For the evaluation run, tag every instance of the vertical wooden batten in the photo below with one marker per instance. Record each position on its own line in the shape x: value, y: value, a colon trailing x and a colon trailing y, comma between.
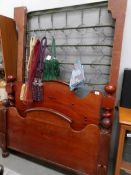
x: 118, y: 11
x: 21, y: 21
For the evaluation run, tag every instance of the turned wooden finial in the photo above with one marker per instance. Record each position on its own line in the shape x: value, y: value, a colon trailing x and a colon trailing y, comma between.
x: 110, y: 89
x: 10, y: 91
x: 107, y: 114
x: 106, y: 123
x: 6, y: 103
x: 10, y: 78
x: 107, y: 107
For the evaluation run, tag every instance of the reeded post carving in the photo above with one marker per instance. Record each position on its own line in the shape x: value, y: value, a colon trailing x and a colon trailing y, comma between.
x: 10, y: 91
x: 101, y: 170
x: 7, y: 103
x: 108, y: 107
x: 3, y: 116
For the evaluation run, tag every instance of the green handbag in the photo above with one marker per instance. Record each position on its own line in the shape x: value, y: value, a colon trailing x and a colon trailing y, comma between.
x: 51, y: 66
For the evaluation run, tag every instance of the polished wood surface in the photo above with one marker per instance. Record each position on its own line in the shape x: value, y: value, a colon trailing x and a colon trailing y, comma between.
x: 9, y: 45
x: 20, y: 19
x: 118, y: 11
x: 57, y: 96
x: 79, y: 112
x: 47, y: 135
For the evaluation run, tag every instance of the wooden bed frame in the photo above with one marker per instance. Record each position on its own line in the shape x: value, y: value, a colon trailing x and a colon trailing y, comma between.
x: 64, y: 130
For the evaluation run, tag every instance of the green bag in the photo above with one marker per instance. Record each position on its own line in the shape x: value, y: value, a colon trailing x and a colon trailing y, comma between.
x: 51, y: 66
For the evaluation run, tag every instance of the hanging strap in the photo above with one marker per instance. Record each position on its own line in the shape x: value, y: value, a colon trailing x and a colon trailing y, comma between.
x: 34, y: 62
x: 43, y: 46
x: 37, y: 85
x: 53, y: 48
x: 32, y: 71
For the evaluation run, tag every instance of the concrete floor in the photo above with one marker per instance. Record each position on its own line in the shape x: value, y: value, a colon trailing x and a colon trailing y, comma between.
x: 26, y: 167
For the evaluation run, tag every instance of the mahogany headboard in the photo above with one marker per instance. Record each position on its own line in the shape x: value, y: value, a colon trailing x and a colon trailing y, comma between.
x: 88, y: 117
x: 117, y: 9
x: 106, y: 102
x: 118, y: 13
x: 57, y: 96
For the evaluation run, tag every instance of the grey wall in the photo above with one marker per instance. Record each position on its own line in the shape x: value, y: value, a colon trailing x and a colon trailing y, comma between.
x: 92, y: 44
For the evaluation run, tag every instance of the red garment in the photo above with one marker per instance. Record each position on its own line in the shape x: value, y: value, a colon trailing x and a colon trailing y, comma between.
x: 32, y: 71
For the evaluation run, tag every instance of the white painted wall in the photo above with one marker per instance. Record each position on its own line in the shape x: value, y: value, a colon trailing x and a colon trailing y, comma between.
x: 126, y: 49
x: 7, y: 6
x: 7, y: 9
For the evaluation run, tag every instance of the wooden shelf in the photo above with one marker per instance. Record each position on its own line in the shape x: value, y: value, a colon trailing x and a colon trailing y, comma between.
x: 8, y: 46
x: 125, y: 116
x: 126, y: 166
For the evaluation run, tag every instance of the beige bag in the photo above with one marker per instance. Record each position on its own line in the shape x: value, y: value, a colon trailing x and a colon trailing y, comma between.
x: 24, y: 87
x: 3, y: 93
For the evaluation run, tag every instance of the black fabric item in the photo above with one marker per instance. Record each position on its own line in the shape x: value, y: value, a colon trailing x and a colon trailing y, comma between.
x: 125, y: 100
x: 1, y: 169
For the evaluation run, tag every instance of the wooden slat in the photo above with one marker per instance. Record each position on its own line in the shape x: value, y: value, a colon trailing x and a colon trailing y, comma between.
x: 9, y: 45
x: 120, y: 150
x: 47, y: 136
x: 118, y: 10
x: 20, y: 18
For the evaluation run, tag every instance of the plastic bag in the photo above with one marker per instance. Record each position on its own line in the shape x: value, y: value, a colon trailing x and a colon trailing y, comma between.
x: 77, y: 76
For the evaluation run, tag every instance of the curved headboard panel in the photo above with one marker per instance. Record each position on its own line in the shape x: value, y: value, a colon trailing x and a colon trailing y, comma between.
x: 57, y: 96
x: 56, y: 114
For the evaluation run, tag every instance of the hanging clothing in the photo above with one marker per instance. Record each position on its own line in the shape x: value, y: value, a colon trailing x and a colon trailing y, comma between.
x: 37, y: 85
x: 32, y: 70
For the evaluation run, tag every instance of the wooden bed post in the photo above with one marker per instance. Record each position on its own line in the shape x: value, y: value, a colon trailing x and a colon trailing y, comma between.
x: 118, y: 11
x: 20, y: 16
x: 3, y: 118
